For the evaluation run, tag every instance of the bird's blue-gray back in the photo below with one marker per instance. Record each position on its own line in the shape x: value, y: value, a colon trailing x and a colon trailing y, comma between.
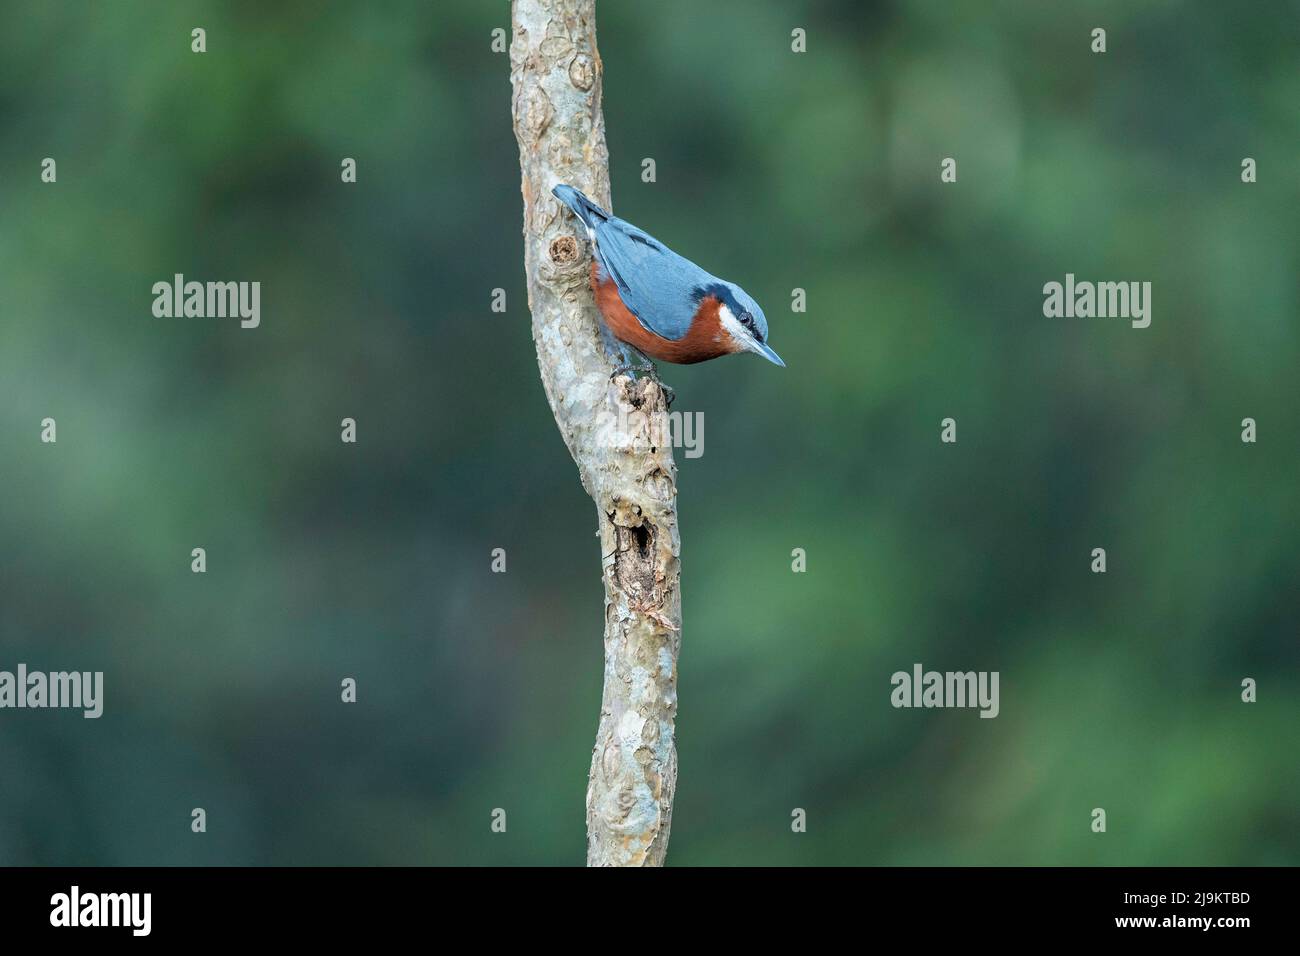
x: 657, y: 285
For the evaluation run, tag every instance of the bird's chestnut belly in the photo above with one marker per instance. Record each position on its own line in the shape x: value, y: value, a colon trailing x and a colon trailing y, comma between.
x: 706, y: 339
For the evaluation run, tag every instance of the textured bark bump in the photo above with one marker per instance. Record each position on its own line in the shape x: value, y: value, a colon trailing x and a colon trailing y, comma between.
x: 610, y: 429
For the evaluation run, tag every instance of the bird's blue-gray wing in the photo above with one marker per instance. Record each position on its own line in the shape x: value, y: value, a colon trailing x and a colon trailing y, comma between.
x: 657, y: 285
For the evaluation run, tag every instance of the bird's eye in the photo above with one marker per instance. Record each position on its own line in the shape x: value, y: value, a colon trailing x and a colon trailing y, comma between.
x: 747, y: 320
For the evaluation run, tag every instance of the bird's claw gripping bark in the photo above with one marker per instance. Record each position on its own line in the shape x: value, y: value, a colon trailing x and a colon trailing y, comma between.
x: 650, y: 370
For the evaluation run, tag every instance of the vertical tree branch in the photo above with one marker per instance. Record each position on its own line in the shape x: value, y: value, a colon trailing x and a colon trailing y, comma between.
x: 616, y: 430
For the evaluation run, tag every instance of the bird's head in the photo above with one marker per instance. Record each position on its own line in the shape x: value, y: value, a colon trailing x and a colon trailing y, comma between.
x: 744, y: 321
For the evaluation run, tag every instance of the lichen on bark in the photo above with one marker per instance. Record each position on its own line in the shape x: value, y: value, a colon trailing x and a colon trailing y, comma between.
x: 610, y: 426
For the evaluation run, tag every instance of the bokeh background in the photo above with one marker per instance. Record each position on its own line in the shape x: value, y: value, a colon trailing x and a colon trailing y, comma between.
x: 481, y: 690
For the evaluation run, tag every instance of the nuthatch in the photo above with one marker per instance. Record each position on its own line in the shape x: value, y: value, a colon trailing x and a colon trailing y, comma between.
x: 662, y: 305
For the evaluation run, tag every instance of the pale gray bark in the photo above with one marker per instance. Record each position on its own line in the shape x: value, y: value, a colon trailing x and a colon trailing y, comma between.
x: 615, y: 430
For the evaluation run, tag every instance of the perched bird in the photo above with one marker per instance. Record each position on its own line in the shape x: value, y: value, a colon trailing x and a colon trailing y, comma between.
x: 662, y: 305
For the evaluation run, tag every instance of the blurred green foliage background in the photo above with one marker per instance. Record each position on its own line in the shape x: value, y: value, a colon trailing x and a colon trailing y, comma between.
x: 775, y: 169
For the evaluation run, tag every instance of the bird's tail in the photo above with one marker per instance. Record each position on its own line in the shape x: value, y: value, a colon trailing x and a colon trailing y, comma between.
x: 582, y: 207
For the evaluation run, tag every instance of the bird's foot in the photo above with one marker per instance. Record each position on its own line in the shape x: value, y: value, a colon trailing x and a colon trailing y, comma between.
x: 652, y: 373
x: 631, y: 368
x: 645, y: 367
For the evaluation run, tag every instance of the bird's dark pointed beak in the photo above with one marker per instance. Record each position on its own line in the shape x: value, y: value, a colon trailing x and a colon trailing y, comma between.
x: 763, y: 349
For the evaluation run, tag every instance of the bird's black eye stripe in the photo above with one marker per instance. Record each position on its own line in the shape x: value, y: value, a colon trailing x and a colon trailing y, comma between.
x: 719, y: 292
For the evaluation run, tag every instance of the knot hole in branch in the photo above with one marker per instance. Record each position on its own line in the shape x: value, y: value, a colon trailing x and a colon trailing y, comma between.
x: 634, y: 563
x: 641, y: 539
x: 564, y: 250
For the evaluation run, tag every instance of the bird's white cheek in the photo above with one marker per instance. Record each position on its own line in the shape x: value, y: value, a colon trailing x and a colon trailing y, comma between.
x: 733, y: 328
x: 730, y: 324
